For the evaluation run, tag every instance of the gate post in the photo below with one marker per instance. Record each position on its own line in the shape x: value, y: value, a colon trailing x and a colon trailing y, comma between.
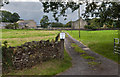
x: 62, y: 48
x: 114, y: 46
x: 62, y: 37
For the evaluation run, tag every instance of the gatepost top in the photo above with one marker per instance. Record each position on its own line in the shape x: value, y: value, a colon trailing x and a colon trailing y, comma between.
x: 62, y: 35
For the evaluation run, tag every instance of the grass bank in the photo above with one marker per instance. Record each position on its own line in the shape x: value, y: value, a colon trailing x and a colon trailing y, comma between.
x: 101, y: 42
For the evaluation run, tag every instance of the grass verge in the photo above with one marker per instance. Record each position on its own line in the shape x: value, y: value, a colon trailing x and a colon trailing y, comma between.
x: 85, y: 55
x: 93, y: 63
x: 89, y: 57
x: 50, y: 68
x: 77, y: 48
x: 101, y: 42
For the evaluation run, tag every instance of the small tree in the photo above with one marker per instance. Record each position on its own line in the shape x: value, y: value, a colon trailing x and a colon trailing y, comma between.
x: 12, y: 26
x: 44, y: 21
x: 16, y: 26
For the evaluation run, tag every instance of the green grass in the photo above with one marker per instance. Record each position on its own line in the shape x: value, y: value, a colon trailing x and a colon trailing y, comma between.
x: 18, y: 37
x: 84, y: 55
x: 98, y: 41
x: 89, y: 57
x: 93, y: 63
x: 77, y: 48
x: 51, y: 67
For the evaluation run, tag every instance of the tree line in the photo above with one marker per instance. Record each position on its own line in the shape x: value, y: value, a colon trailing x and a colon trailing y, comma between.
x: 44, y: 22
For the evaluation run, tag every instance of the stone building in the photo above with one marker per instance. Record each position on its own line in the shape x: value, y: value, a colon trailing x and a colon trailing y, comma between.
x: 75, y: 24
x: 29, y: 24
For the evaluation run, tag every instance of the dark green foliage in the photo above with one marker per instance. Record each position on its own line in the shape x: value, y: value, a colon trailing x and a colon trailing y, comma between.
x: 9, y: 17
x: 93, y: 24
x: 15, y: 17
x: 44, y: 21
x: 106, y: 11
x: 68, y: 24
x: 57, y: 24
x: 6, y: 57
x: 90, y: 27
x: 55, y: 6
x: 12, y: 26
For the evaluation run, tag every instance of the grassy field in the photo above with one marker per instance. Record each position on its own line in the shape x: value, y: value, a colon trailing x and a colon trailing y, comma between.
x: 50, y: 68
x: 99, y: 41
x: 18, y: 37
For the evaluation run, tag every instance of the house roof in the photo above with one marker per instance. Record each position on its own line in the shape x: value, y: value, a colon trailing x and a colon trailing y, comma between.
x: 25, y: 21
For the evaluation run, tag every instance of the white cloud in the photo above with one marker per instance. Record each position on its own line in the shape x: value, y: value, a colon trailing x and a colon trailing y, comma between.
x: 24, y: 0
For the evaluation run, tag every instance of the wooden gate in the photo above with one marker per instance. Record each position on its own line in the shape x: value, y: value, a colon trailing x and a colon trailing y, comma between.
x: 116, y: 46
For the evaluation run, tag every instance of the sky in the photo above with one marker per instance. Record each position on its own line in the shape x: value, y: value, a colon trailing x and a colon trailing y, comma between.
x: 33, y: 10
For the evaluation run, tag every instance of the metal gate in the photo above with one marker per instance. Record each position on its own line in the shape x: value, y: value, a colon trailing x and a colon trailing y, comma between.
x: 116, y: 46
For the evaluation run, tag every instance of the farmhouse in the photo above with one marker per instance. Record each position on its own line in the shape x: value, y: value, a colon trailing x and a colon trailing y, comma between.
x: 29, y: 24
x: 75, y: 24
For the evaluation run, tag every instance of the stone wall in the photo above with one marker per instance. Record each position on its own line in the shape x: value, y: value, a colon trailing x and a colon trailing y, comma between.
x: 32, y: 53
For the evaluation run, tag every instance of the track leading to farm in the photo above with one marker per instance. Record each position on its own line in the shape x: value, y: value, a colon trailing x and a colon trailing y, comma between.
x: 81, y: 66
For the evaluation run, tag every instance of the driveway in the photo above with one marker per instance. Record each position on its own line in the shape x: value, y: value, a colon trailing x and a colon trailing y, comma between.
x: 81, y: 68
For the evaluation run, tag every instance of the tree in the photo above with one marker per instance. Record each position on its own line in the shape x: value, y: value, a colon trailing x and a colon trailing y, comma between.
x: 57, y: 24
x: 3, y: 2
x: 69, y: 24
x: 93, y: 24
x: 106, y: 11
x: 15, y: 17
x: 44, y: 21
x: 9, y: 17
x: 6, y: 16
x: 59, y: 8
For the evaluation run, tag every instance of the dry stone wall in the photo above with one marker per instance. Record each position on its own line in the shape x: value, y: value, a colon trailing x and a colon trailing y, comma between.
x: 32, y: 53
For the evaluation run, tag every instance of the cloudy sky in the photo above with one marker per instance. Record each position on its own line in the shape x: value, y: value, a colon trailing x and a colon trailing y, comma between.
x: 34, y: 10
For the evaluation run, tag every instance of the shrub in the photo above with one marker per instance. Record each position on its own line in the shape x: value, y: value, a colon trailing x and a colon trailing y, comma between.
x: 12, y: 26
x: 90, y: 27
x: 57, y: 24
x: 9, y: 26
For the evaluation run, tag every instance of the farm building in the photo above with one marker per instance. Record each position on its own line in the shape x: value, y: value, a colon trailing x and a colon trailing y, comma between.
x: 29, y: 24
x: 75, y: 24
